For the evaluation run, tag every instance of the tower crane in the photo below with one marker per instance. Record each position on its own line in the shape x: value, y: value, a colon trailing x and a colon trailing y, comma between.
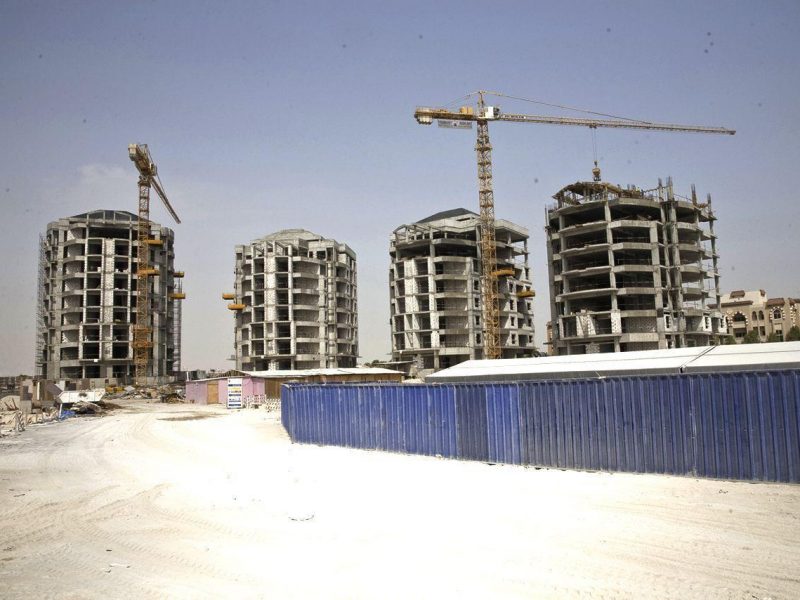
x: 483, y: 148
x: 142, y: 330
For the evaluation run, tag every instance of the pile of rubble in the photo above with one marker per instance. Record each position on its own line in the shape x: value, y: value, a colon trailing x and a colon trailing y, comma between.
x: 14, y: 420
x: 96, y: 402
x: 170, y: 393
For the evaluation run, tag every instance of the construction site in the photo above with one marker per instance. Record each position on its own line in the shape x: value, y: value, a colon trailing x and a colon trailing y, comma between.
x: 399, y: 300
x: 627, y: 471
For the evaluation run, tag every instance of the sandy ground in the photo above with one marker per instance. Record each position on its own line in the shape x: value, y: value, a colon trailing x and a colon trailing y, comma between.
x: 177, y: 501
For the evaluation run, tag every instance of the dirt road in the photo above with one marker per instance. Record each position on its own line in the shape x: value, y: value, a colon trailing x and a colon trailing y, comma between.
x: 177, y: 501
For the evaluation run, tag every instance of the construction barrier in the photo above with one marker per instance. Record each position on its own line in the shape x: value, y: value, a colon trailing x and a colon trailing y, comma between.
x: 743, y: 425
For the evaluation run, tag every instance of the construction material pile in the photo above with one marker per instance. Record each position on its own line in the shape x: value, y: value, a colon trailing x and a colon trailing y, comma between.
x: 14, y: 420
x: 169, y: 393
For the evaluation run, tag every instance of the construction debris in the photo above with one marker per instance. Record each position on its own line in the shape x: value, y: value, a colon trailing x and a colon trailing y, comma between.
x: 87, y: 408
x: 71, y: 397
x: 169, y: 393
x: 15, y: 416
x: 16, y: 421
x: 9, y: 403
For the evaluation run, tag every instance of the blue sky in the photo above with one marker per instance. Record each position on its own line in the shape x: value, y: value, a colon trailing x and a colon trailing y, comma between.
x: 264, y: 116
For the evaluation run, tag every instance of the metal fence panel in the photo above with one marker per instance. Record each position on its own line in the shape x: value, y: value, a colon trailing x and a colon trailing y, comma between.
x: 725, y: 425
x: 394, y: 418
x: 471, y: 426
x: 503, y: 424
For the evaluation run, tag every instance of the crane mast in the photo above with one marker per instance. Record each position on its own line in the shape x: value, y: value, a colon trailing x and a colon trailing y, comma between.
x: 489, y: 287
x: 483, y: 148
x: 142, y: 330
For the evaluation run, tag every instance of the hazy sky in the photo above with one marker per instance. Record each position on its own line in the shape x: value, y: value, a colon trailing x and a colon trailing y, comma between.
x: 264, y: 116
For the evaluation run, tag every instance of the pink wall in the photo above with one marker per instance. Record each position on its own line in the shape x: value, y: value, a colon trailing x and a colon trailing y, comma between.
x: 252, y: 387
x: 196, y: 392
x: 223, y: 392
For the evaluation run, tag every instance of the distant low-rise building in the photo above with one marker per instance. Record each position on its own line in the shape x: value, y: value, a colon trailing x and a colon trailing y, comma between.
x: 751, y: 310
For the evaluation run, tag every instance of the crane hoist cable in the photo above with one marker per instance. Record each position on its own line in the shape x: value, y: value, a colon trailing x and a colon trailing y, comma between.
x: 564, y: 107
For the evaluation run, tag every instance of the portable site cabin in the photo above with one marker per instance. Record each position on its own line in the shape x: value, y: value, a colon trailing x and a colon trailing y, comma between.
x: 266, y: 385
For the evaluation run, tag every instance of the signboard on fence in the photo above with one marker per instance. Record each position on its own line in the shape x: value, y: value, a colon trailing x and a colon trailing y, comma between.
x: 234, y: 392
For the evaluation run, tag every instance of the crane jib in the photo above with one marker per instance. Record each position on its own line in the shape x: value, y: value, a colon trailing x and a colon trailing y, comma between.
x: 441, y: 114
x: 612, y: 123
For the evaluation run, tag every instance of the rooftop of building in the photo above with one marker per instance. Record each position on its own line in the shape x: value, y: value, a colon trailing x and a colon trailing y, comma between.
x: 293, y: 234
x: 108, y: 214
x: 782, y: 301
x: 751, y: 297
x: 298, y: 236
x: 448, y: 214
x: 461, y: 220
x: 582, y: 192
x: 701, y: 359
x: 301, y: 373
x: 104, y: 214
x: 592, y: 188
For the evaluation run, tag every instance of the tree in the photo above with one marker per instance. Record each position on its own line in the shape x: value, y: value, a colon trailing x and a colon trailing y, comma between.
x: 727, y: 340
x: 793, y: 334
x: 773, y: 337
x: 751, y: 337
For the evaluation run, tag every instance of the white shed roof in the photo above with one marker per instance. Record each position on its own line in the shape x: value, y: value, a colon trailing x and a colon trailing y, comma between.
x: 312, y: 372
x: 781, y: 355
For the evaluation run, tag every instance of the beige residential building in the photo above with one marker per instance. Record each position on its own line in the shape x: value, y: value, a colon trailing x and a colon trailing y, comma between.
x: 751, y: 310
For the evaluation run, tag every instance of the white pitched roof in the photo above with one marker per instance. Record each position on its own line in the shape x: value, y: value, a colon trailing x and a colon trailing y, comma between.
x: 780, y: 355
x: 312, y: 372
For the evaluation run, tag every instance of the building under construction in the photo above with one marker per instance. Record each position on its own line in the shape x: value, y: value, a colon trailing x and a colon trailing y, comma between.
x: 87, y: 298
x: 631, y: 269
x: 295, y: 303
x: 435, y: 290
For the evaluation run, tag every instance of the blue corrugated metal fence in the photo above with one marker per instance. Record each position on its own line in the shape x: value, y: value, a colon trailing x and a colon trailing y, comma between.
x: 726, y: 425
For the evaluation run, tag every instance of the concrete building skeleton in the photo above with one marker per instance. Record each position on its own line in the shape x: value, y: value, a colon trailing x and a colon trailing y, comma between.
x: 631, y: 269
x: 295, y: 303
x: 87, y: 298
x: 435, y: 297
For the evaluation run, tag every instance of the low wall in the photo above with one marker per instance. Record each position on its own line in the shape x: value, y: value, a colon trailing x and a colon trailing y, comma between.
x: 729, y: 425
